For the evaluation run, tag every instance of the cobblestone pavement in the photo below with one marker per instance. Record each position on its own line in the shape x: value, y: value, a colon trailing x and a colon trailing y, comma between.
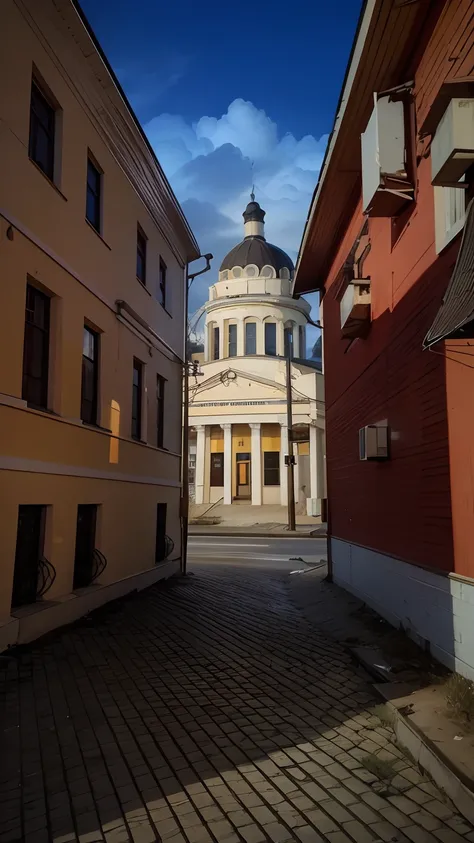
x: 206, y: 710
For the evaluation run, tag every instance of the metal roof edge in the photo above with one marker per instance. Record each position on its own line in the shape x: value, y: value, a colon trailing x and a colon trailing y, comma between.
x: 358, y: 45
x: 85, y: 23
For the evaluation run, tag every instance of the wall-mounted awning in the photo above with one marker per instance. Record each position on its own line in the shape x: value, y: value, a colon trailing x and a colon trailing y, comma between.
x: 457, y: 308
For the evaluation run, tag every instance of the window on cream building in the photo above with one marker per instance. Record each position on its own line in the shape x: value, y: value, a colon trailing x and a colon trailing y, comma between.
x: 270, y: 339
x: 42, y: 139
x: 232, y: 340
x: 250, y: 338
x: 302, y: 341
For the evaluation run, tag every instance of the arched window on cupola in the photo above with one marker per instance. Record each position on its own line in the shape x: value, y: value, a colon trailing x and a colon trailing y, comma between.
x: 250, y: 336
x: 213, y: 340
x: 302, y: 342
x: 270, y: 336
x: 289, y: 339
x: 231, y: 339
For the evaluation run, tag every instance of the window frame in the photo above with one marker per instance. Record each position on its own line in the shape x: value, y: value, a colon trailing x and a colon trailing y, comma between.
x: 446, y: 231
x: 288, y: 333
x: 160, y: 410
x: 267, y: 352
x: 232, y: 344
x: 93, y: 418
x: 250, y: 324
x: 269, y: 469
x: 38, y: 90
x: 301, y: 341
x: 142, y: 242
x: 216, y: 334
x: 213, y: 470
x: 97, y: 195
x: 137, y: 399
x: 28, y: 336
x: 162, y: 283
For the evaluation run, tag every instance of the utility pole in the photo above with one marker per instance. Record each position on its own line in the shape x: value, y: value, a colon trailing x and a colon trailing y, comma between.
x: 289, y: 458
x: 184, y: 502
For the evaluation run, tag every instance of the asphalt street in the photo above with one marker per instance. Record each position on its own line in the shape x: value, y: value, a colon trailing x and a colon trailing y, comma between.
x: 284, y: 554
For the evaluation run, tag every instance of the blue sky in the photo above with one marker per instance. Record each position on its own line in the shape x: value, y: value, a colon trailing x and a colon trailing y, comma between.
x: 229, y: 93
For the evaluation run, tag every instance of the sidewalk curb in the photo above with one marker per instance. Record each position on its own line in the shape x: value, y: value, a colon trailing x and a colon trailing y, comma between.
x: 425, y: 753
x: 430, y: 760
x: 298, y: 534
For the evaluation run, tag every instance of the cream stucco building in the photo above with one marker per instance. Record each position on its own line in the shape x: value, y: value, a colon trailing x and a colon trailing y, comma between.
x: 238, y: 408
x: 93, y: 254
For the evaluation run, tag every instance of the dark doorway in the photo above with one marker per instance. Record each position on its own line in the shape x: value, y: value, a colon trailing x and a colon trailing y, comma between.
x: 243, y: 477
x: 160, y: 547
x: 85, y: 545
x: 217, y: 469
x: 29, y: 549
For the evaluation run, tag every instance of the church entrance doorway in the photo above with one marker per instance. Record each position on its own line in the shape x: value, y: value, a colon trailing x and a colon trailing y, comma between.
x: 243, y: 474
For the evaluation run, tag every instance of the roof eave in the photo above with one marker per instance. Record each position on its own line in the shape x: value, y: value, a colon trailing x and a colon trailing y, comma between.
x: 358, y: 44
x: 187, y: 237
x: 338, y: 189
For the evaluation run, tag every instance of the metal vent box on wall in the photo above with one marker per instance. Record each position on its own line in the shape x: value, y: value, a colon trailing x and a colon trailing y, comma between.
x: 385, y: 187
x: 355, y: 309
x: 373, y: 442
x: 452, y: 148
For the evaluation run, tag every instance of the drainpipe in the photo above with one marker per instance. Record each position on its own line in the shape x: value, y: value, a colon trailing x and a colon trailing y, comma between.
x: 184, y: 502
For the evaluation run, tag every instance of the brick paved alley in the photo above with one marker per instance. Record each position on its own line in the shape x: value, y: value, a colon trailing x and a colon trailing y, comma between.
x: 206, y: 710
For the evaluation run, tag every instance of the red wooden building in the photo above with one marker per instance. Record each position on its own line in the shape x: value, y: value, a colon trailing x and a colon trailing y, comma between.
x: 389, y: 242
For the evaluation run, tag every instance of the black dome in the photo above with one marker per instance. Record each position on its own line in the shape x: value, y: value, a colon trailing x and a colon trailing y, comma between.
x: 256, y: 250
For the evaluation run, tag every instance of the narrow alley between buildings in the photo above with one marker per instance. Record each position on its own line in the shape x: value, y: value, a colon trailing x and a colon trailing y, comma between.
x: 204, y: 709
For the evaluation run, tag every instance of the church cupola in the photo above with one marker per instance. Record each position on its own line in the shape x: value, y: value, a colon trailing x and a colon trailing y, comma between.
x: 254, y: 217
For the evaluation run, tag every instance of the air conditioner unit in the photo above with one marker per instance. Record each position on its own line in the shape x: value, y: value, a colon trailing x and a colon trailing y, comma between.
x: 385, y: 184
x: 452, y: 148
x: 355, y: 309
x: 373, y: 442
x: 313, y: 507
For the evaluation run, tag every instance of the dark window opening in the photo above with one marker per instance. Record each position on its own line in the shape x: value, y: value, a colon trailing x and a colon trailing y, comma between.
x: 270, y: 338
x: 36, y: 348
x: 93, y: 201
x: 90, y: 379
x: 302, y: 349
x: 29, y: 551
x: 141, y: 256
x: 288, y: 337
x: 250, y: 337
x: 160, y: 409
x: 232, y: 340
x: 271, y: 468
x: 42, y: 127
x: 85, y: 545
x: 216, y: 343
x: 217, y: 469
x: 162, y: 284
x: 137, y: 390
x: 160, y: 546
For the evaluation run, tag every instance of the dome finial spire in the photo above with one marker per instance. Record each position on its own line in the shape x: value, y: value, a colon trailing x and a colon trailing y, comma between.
x: 252, y: 195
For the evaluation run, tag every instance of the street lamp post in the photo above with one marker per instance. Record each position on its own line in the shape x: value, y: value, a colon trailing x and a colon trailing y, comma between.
x: 290, y: 458
x: 184, y: 502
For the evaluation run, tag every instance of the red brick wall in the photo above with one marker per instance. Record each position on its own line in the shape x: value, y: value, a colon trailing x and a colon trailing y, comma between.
x: 402, y: 507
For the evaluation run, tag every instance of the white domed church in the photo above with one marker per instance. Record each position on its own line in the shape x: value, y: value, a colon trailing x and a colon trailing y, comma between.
x: 237, y: 406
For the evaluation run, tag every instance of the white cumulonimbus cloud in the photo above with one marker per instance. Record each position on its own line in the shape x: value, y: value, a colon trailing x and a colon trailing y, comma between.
x: 212, y: 165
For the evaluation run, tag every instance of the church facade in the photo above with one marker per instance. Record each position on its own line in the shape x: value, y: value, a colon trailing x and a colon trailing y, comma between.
x: 237, y: 404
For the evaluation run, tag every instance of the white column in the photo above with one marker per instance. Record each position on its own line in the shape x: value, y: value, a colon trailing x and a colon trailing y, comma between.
x: 315, y: 461
x: 283, y: 467
x: 222, y: 350
x: 227, y: 428
x: 256, y: 464
x: 200, y: 456
x: 240, y: 338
